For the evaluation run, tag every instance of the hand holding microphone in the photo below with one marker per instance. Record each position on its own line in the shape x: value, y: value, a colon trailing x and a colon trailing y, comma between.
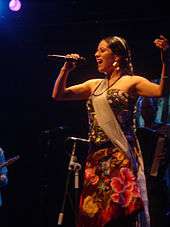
x: 71, y: 60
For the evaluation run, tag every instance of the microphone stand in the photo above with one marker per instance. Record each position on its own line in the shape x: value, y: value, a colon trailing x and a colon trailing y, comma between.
x: 73, y: 167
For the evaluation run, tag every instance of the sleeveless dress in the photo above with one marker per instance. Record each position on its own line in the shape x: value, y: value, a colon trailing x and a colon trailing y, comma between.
x: 108, y: 170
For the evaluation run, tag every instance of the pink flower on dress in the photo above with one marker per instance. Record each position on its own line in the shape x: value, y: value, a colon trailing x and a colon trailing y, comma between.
x: 117, y: 184
x: 127, y: 175
x: 89, y: 172
x: 116, y: 197
x: 94, y: 180
x: 124, y: 187
x: 90, y: 176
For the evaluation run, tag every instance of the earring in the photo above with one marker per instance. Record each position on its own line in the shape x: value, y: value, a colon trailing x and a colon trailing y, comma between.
x: 116, y: 66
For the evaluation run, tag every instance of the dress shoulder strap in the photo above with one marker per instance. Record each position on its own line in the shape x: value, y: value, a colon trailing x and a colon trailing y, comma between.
x: 102, y: 85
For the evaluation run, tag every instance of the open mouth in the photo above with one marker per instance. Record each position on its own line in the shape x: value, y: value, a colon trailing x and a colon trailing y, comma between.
x: 99, y: 61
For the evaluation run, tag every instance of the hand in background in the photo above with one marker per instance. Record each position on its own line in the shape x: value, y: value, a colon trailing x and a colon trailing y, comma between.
x: 163, y: 44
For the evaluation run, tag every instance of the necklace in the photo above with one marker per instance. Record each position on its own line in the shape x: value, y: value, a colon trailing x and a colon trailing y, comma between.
x: 103, y: 83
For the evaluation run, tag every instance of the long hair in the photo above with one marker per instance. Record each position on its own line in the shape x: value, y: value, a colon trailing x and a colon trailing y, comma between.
x: 119, y: 46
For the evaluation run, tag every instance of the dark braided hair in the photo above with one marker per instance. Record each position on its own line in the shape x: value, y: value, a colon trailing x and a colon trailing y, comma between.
x: 119, y: 46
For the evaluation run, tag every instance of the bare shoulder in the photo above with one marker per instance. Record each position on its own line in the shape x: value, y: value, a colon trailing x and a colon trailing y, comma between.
x: 139, y: 77
x: 92, y: 83
x: 134, y: 79
x: 129, y: 83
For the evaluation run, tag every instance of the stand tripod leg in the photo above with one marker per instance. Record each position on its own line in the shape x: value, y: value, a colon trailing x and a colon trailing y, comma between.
x: 74, y: 167
x: 61, y: 214
x: 76, y: 194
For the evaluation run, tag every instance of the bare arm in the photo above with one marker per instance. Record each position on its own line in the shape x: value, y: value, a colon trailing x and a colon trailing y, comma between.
x: 77, y: 92
x: 146, y: 88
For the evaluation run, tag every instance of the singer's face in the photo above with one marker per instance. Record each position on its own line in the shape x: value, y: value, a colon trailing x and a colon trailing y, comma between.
x: 104, y: 58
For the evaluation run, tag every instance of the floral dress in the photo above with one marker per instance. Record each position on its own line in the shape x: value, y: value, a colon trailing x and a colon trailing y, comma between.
x: 110, y: 192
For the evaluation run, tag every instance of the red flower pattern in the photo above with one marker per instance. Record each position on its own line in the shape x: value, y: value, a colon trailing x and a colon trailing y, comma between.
x: 110, y: 188
x: 124, y: 188
x: 91, y: 176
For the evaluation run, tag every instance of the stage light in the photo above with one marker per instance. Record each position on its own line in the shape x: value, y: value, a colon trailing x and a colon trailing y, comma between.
x: 15, y: 5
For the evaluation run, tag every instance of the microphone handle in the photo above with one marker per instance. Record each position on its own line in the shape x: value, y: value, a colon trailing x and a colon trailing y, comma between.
x: 78, y: 60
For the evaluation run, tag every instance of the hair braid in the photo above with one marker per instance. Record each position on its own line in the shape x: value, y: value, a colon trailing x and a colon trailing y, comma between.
x: 120, y: 47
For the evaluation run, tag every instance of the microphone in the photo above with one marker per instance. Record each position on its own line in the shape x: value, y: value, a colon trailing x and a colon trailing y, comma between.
x: 79, y: 60
x: 78, y: 139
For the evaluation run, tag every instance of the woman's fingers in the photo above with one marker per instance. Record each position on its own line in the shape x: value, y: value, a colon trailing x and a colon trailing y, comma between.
x: 161, y: 42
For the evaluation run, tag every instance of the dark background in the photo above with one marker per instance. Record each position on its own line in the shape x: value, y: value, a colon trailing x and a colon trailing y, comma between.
x: 34, y: 194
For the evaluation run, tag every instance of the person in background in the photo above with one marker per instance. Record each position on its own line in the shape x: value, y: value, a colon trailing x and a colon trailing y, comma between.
x: 154, y: 136
x: 146, y: 112
x: 3, y: 173
x: 114, y: 191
